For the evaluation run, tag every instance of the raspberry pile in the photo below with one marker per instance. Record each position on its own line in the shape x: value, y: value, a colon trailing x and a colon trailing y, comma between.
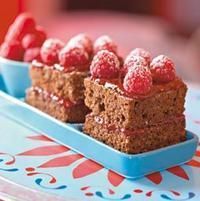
x: 23, y: 39
x: 75, y: 54
x: 138, y: 72
x: 82, y: 40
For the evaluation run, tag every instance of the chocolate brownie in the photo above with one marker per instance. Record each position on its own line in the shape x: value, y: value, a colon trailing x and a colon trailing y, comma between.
x: 135, y: 141
x: 57, y: 78
x: 110, y: 103
x: 60, y: 108
x: 66, y: 84
x: 137, y: 107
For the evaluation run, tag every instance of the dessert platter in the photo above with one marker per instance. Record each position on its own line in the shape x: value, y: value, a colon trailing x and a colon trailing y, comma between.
x: 82, y: 92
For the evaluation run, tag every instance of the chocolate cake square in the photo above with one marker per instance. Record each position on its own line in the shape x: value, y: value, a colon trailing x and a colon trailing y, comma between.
x: 57, y: 78
x: 58, y: 93
x: 109, y: 101
x: 60, y: 108
x: 138, y: 109
x: 139, y: 123
x: 136, y: 140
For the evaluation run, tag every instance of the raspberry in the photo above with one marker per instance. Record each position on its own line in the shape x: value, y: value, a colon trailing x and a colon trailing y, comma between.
x: 23, y: 24
x: 139, y: 52
x: 29, y: 41
x: 138, y: 81
x: 105, y: 43
x: 84, y: 40
x: 134, y: 61
x: 39, y: 30
x: 34, y: 39
x: 73, y: 57
x: 105, y: 64
x: 50, y: 50
x: 162, y: 69
x: 12, y: 50
x: 31, y: 54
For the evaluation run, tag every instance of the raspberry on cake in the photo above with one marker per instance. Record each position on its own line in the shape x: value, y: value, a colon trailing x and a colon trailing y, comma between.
x: 133, y: 62
x: 105, y: 43
x: 138, y: 80
x: 105, y: 64
x: 162, y: 69
x: 50, y: 50
x: 83, y: 40
x: 71, y: 56
x: 57, y: 81
x: 139, y: 52
x: 135, y: 113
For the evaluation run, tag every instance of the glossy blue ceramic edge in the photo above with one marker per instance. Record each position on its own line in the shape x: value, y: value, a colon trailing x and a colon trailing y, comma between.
x: 16, y: 76
x: 129, y: 165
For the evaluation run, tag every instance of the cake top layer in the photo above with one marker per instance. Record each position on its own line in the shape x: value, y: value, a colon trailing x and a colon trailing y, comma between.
x: 139, y: 75
x: 38, y: 64
x: 117, y: 86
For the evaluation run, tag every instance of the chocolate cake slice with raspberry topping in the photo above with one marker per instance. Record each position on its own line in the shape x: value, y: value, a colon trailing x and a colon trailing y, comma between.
x: 137, y: 107
x: 57, y: 79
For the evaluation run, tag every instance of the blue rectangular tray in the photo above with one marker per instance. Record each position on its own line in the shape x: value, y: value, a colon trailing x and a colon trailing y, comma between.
x: 70, y: 135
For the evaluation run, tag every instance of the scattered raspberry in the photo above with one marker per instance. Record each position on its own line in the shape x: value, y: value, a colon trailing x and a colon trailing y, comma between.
x: 134, y: 61
x: 12, y: 50
x: 138, y: 81
x: 84, y: 40
x: 50, y: 50
x: 105, y: 64
x: 105, y: 43
x: 32, y: 54
x: 35, y: 39
x: 139, y: 52
x: 73, y: 57
x: 39, y: 30
x: 162, y: 69
x: 29, y: 41
x: 22, y: 25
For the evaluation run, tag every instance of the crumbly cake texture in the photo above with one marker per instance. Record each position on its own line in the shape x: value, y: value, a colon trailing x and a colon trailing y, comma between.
x: 68, y: 85
x: 135, y: 108
x: 58, y: 78
x: 108, y: 102
x: 136, y: 140
x: 61, y: 109
x: 135, y: 124
x: 50, y: 85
